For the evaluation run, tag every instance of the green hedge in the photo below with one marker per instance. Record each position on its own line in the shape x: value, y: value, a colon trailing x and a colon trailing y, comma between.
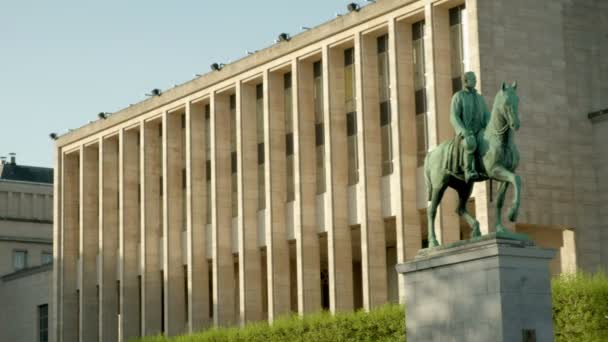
x: 580, y: 313
x: 386, y: 323
x: 580, y: 307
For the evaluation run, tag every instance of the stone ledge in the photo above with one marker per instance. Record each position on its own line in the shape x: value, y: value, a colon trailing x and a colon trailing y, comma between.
x: 486, y: 247
x: 27, y: 272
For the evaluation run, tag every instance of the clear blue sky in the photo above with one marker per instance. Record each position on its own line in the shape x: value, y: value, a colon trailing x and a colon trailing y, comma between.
x: 62, y: 62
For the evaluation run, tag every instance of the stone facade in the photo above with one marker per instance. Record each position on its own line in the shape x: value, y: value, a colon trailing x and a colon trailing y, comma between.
x: 26, y: 212
x: 288, y: 181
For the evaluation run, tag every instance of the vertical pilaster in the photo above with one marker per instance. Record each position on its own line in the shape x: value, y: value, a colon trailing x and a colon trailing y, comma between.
x: 151, y: 226
x: 407, y: 219
x: 307, y: 241
x: 55, y: 300
x: 437, y: 51
x: 70, y: 198
x: 108, y: 239
x: 373, y: 242
x: 221, y: 220
x: 196, y: 207
x: 250, y: 279
x: 339, y: 250
x: 173, y: 225
x: 89, y: 237
x: 129, y: 233
x: 277, y: 248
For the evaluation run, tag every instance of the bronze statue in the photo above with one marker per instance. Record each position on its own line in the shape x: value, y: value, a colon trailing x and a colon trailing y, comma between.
x: 483, y: 149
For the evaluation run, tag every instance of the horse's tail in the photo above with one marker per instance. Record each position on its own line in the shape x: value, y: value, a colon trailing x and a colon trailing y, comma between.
x: 427, y: 177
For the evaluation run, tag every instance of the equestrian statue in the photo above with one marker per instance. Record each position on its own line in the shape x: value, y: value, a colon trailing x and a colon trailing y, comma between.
x: 483, y: 149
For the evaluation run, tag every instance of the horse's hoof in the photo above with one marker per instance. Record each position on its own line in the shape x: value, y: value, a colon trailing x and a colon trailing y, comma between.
x: 513, y: 214
x: 501, y: 229
x: 476, y: 232
x: 433, y: 243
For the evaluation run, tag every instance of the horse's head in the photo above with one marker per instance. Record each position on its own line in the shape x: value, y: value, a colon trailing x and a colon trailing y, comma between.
x: 507, y: 102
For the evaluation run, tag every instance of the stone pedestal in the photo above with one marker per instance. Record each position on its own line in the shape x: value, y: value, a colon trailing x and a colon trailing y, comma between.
x: 489, y: 289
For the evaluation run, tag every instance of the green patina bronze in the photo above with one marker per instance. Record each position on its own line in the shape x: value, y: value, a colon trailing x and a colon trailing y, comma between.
x: 483, y: 149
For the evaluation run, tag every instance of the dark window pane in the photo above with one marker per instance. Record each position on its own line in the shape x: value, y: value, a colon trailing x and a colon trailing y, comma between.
x: 260, y: 153
x: 420, y: 99
x: 208, y: 169
x: 233, y: 162
x: 259, y: 91
x: 456, y: 15
x: 418, y: 30
x: 232, y: 101
x: 317, y: 69
x: 289, y: 144
x: 382, y: 43
x: 456, y: 84
x: 351, y: 123
x: 287, y: 80
x: 385, y: 113
x: 207, y: 111
x: 349, y: 56
x: 319, y: 135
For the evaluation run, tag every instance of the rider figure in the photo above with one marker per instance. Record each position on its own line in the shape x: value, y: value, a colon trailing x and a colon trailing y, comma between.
x: 469, y: 115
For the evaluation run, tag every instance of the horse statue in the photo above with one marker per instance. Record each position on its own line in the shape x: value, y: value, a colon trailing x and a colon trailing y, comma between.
x: 497, y: 158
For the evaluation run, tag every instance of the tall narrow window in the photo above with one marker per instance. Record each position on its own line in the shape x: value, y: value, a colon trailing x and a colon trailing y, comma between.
x: 233, y: 166
x: 288, y: 108
x: 43, y: 323
x: 420, y: 90
x: 19, y: 259
x: 385, y: 105
x: 319, y: 138
x: 259, y: 109
x: 457, y: 53
x: 351, y: 115
x: 208, y: 161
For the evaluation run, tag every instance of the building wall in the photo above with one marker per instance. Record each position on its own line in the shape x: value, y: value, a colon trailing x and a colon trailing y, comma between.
x: 600, y: 137
x: 557, y: 89
x: 20, y: 296
x: 146, y: 158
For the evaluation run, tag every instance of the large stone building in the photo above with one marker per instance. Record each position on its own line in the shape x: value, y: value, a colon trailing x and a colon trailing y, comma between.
x: 26, y: 251
x: 289, y: 180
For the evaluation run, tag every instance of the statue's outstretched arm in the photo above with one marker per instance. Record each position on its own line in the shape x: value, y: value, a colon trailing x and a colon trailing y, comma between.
x: 456, y: 116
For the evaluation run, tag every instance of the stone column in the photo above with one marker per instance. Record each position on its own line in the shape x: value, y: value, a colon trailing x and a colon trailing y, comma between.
x: 55, y: 300
x: 373, y: 242
x: 129, y: 233
x: 221, y: 220
x: 89, y: 238
x: 68, y: 302
x: 407, y: 219
x: 277, y: 248
x: 307, y: 240
x: 151, y: 226
x: 439, y: 91
x: 250, y: 296
x: 108, y: 239
x: 339, y: 250
x: 196, y: 187
x: 173, y: 224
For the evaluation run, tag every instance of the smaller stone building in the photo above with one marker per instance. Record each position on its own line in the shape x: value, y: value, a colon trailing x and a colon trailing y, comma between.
x: 26, y: 251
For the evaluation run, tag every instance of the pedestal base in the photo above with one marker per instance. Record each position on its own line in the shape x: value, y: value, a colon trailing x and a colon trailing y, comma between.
x: 485, y: 290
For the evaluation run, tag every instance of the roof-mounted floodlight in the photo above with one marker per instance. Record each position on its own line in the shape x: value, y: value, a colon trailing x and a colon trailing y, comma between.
x: 155, y: 92
x: 283, y: 37
x: 304, y: 28
x: 371, y: 1
x: 217, y: 66
x: 103, y: 115
x: 53, y: 136
x: 353, y: 7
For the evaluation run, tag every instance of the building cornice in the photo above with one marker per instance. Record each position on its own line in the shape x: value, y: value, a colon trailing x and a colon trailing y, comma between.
x: 27, y: 272
x: 22, y: 239
x: 598, y: 116
x: 297, y: 42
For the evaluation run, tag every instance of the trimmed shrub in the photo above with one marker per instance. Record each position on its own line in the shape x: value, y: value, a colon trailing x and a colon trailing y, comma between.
x: 386, y: 323
x: 580, y: 307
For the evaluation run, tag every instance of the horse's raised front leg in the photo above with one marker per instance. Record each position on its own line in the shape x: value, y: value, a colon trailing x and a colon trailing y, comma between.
x: 464, y: 192
x: 500, y: 200
x: 501, y: 174
x: 436, y: 195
